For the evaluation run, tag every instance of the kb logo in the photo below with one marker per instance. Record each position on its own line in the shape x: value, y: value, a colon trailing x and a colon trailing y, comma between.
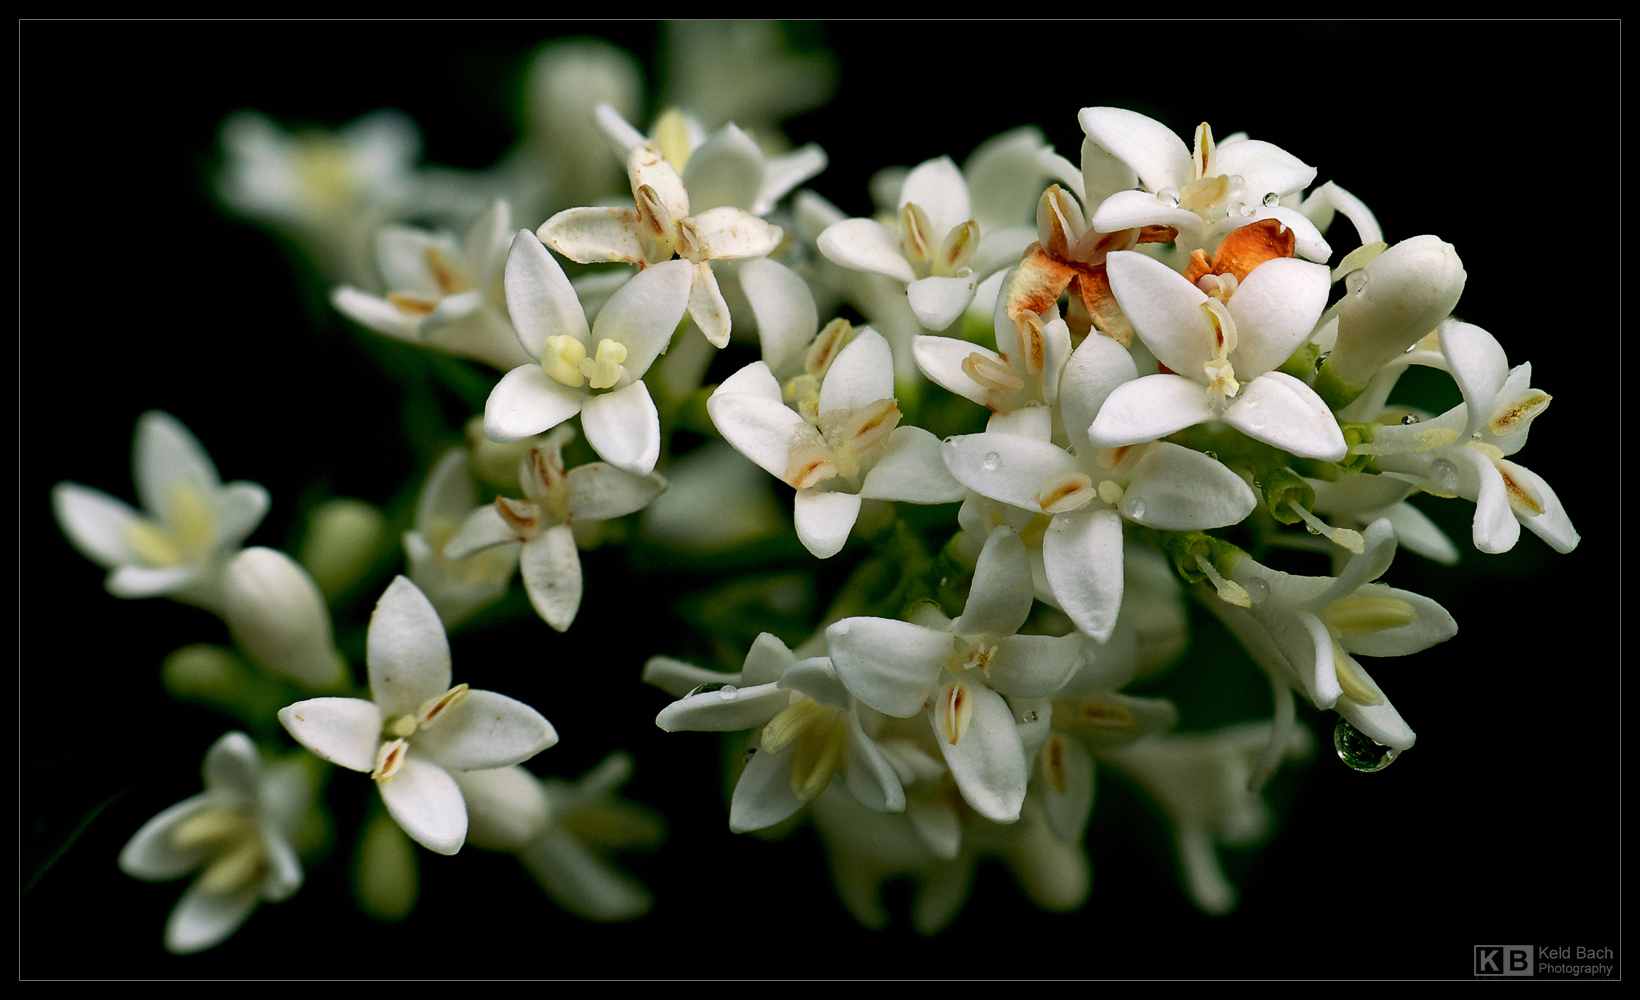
x: 1503, y: 960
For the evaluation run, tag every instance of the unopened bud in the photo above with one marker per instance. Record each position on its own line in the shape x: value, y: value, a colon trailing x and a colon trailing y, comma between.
x: 1395, y: 302
x: 343, y: 538
x: 278, y: 617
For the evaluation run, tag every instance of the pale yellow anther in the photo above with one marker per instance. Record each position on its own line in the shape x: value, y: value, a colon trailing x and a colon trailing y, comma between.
x: 213, y: 826
x: 561, y: 358
x: 831, y: 339
x: 1347, y: 538
x: 991, y: 374
x: 1230, y: 592
x: 187, y: 536
x: 953, y: 707
x: 791, y: 723
x: 868, y: 427
x: 1202, y: 155
x: 1221, y: 377
x: 817, y: 754
x: 523, y: 517
x: 237, y: 868
x: 957, y: 249
x: 1355, y: 686
x: 401, y: 728
x: 915, y: 240
x: 1111, y: 492
x: 1204, y: 195
x: 411, y: 304
x: 672, y: 138
x: 1064, y: 492
x: 1101, y: 713
x: 1491, y: 451
x: 434, y: 709
x: 1360, y: 614
x: 1431, y: 438
x: 1033, y: 349
x: 604, y: 370
x: 810, y: 466
x: 446, y: 274
x: 1515, y: 415
x: 389, y: 759
x: 1524, y: 497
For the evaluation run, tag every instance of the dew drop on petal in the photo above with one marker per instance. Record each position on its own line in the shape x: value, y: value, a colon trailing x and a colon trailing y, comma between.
x: 1029, y: 717
x: 1359, y: 751
x: 1445, y: 474
x: 1168, y: 197
x: 1257, y: 589
x: 1312, y: 529
x: 708, y: 688
x: 727, y: 692
x: 1212, y: 454
x: 991, y: 461
x: 1412, y: 347
x: 1138, y: 509
x: 1271, y: 199
x: 1409, y: 419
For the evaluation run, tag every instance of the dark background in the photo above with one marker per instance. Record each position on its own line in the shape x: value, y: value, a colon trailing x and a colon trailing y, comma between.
x: 137, y: 292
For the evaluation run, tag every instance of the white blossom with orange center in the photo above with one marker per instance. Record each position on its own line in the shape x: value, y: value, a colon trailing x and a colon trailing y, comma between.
x: 417, y: 728
x: 963, y: 673
x: 839, y: 441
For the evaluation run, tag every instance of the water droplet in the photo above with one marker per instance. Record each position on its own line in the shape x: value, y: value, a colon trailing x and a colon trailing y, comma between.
x: 727, y: 692
x: 1138, y: 510
x: 841, y: 628
x: 1257, y: 589
x: 1321, y: 359
x: 1409, y: 419
x: 1360, y: 751
x: 1245, y: 209
x: 1412, y: 346
x: 1168, y: 197
x: 1312, y: 529
x: 1212, y: 454
x: 707, y: 688
x: 1445, y: 474
x: 991, y: 460
x: 1271, y: 199
x: 1029, y: 717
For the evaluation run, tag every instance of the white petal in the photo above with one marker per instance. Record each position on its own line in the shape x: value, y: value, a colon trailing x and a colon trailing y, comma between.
x: 1416, y: 532
x: 786, y: 316
x: 401, y: 254
x: 937, y: 187
x: 1006, y: 467
x: 376, y: 314
x: 1090, y: 376
x: 483, y: 528
x: 644, y: 313
x: 1065, y: 778
x: 707, y: 307
x: 1280, y: 410
x: 867, y: 774
x: 761, y: 429
x: 1148, y: 408
x: 824, y: 520
x: 1275, y: 309
x: 1034, y: 666
x: 786, y: 171
x: 941, y: 358
x: 1179, y: 489
x: 595, y: 235
x: 999, y: 600
x: 712, y: 712
x: 1165, y: 311
x: 1149, y: 148
x: 678, y: 678
x: 865, y: 245
x: 152, y: 854
x: 580, y: 883
x: 240, y: 507
x: 204, y: 919
x: 1137, y: 209
x: 1496, y: 528
x: 232, y: 765
x: 1264, y: 166
x: 726, y: 169
x: 1034, y: 422
x: 540, y: 299
x: 598, y: 492
x: 406, y: 651
x: 1380, y: 723
x: 484, y: 730
x: 528, y: 401
x: 732, y: 234
x: 343, y: 731
x: 140, y: 581
x: 96, y: 523
x: 988, y: 761
x: 755, y: 379
x: 764, y: 796
x: 427, y: 805
x: 1553, y: 526
x: 889, y: 665
x: 863, y: 373
x: 818, y: 679
x: 1082, y: 553
x: 1479, y: 366
x: 551, y: 569
x: 911, y: 469
x: 624, y: 428
x: 937, y: 302
x: 167, y: 456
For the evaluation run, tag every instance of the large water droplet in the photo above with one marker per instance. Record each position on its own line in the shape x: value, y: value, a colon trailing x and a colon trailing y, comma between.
x: 991, y: 461
x: 1409, y: 419
x: 1272, y: 199
x: 1244, y: 210
x: 1168, y: 197
x: 1030, y: 717
x: 707, y: 688
x: 1312, y: 529
x: 1359, y: 750
x: 1257, y: 589
x: 727, y: 692
x: 1212, y: 454
x: 1445, y: 474
x: 1138, y: 509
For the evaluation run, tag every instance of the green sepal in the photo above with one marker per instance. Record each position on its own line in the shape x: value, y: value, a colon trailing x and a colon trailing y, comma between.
x: 1183, y: 547
x: 1334, y: 391
x: 1357, y: 434
x: 1279, y: 486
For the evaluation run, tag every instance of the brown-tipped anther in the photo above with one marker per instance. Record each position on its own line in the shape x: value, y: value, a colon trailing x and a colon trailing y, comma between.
x: 443, y: 274
x: 411, y: 305
x: 520, y: 516
x: 914, y: 236
x: 1037, y: 283
x: 870, y: 425
x: 1199, y: 266
x: 1032, y: 348
x: 831, y: 339
x: 1053, y: 751
x: 1158, y: 234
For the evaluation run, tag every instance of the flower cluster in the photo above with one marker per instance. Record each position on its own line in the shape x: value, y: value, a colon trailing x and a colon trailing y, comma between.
x: 1032, y: 411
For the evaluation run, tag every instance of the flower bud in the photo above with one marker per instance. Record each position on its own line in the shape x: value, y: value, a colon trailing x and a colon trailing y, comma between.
x: 343, y: 538
x: 278, y: 617
x: 1393, y: 303
x: 386, y: 876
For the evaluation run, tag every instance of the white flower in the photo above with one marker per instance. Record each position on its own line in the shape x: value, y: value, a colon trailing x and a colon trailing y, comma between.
x: 417, y: 728
x: 1224, y: 348
x: 965, y: 674
x: 1204, y: 192
x: 457, y: 587
x: 564, y: 832
x: 1464, y: 451
x: 236, y: 834
x: 443, y: 295
x: 542, y: 522
x: 842, y: 444
x: 597, y: 373
x: 662, y: 227
x: 192, y: 523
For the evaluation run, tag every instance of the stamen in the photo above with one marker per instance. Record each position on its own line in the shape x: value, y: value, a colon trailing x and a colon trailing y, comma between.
x: 604, y: 371
x: 1203, y: 157
x: 1053, y: 762
x: 522, y: 517
x: 1431, y: 438
x: 235, y: 869
x: 791, y: 723
x: 810, y: 466
x: 411, y: 304
x: 991, y: 374
x: 1356, y: 687
x: 1342, y: 537
x: 1032, y: 350
x: 957, y: 248
x: 817, y: 755
x: 434, y: 709
x: 444, y: 274
x: 1064, y: 492
x: 402, y: 727
x: 1360, y: 614
x: 1523, y: 496
x: 213, y: 826
x: 1111, y: 492
x: 831, y: 339
x: 914, y: 235
x: 953, y: 707
x: 389, y: 759
x: 1515, y: 415
x: 1230, y: 592
x: 869, y: 426
x: 561, y: 359
x: 1102, y: 714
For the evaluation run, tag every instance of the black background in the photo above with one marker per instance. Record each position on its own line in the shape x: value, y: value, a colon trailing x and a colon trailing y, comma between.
x: 137, y: 292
